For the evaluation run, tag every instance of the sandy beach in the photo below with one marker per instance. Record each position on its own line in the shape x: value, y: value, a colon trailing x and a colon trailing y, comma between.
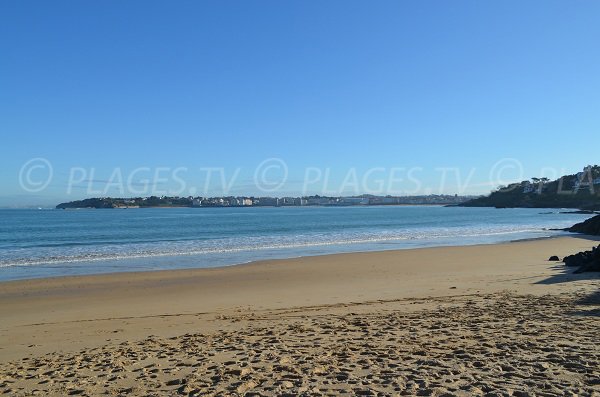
x: 494, y: 320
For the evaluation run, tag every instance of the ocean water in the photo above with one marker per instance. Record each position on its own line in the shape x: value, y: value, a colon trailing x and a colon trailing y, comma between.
x: 46, y: 243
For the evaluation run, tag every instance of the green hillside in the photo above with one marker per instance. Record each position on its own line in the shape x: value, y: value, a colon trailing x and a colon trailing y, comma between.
x: 581, y: 190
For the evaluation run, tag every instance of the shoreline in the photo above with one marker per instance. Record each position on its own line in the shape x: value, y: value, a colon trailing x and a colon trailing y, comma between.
x: 285, y: 257
x: 331, y: 278
x: 152, y: 274
x: 51, y: 328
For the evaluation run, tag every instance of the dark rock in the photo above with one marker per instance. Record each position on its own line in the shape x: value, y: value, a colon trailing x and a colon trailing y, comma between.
x: 582, y: 212
x: 587, y: 261
x: 590, y: 226
x: 554, y: 258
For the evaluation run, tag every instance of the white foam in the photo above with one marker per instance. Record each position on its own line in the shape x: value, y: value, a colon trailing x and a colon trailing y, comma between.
x: 65, y: 255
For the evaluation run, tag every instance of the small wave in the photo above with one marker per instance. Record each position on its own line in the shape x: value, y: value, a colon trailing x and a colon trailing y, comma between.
x: 226, y: 246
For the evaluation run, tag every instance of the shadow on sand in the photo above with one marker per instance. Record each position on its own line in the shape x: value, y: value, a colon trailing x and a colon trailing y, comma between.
x: 588, y: 305
x: 566, y: 274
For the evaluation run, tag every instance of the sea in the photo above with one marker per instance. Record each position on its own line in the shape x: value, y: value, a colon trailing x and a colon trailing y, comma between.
x: 48, y: 243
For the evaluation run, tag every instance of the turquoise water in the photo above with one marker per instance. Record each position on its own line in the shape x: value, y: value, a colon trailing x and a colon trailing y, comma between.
x: 43, y: 243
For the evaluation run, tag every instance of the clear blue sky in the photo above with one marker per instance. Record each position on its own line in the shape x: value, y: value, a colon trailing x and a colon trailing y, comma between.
x: 333, y: 84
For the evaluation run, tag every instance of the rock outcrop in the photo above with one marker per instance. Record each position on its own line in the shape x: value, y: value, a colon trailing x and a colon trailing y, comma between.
x: 587, y: 261
x: 590, y: 226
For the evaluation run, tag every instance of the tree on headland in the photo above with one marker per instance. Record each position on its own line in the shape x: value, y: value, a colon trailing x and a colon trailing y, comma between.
x: 564, y: 192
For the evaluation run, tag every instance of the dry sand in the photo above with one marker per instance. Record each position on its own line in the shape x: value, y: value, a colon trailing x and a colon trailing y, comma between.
x: 495, y: 320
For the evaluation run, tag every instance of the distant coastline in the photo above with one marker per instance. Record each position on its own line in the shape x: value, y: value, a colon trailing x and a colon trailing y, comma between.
x: 245, y: 201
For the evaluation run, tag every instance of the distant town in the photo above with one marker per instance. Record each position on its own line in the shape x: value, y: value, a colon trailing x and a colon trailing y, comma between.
x: 243, y: 201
